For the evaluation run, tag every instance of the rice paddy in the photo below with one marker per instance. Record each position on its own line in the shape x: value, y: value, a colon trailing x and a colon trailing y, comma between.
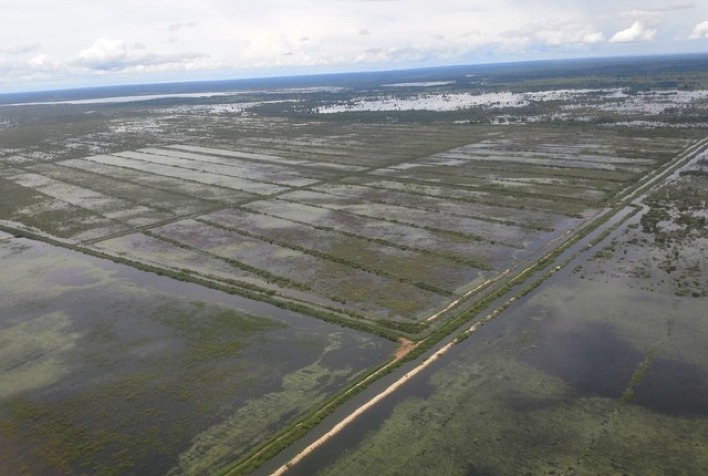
x: 340, y: 222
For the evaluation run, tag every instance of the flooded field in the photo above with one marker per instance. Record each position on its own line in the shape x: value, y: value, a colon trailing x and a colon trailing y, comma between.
x: 601, y: 370
x: 109, y: 370
x: 348, y: 223
x: 578, y: 100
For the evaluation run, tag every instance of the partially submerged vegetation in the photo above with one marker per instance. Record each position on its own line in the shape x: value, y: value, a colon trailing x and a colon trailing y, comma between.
x: 391, y: 242
x: 347, y: 205
x: 129, y: 377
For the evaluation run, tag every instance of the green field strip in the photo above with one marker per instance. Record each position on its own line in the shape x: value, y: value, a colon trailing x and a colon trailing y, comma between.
x: 461, y: 183
x: 465, y: 260
x: 159, y: 182
x: 414, y: 147
x: 307, y: 150
x: 462, y: 234
x: 340, y: 150
x: 427, y: 189
x: 604, y: 143
x: 16, y: 197
x: 184, y: 174
x: 119, y: 190
x: 530, y: 188
x: 90, y: 200
x: 240, y: 165
x: 343, y: 198
x: 470, y: 172
x: 207, y: 168
x: 377, y: 136
x: 486, y: 190
x: 366, y: 293
x: 255, y: 157
x: 474, y: 153
x: 359, y: 157
x: 138, y: 245
x: 267, y: 276
x: 295, y: 164
x: 438, y: 205
x: 549, y: 171
x: 366, y: 267
x: 514, y: 158
x: 129, y: 189
x: 53, y: 215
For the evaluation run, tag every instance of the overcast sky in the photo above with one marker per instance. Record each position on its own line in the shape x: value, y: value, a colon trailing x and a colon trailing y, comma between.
x: 47, y: 44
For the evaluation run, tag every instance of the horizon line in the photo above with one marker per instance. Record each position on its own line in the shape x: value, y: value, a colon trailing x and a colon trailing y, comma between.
x: 307, y: 75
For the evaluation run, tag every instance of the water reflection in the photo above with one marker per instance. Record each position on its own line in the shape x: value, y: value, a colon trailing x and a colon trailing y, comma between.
x: 590, y: 358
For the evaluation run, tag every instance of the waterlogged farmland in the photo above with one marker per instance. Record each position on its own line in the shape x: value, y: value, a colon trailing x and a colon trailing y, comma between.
x: 368, y: 230
x: 467, y: 270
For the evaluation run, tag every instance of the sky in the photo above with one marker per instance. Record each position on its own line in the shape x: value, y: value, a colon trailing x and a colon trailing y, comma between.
x: 55, y: 44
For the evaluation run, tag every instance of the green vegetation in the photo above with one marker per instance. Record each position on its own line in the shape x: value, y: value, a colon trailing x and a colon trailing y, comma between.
x: 146, y: 371
x: 637, y: 377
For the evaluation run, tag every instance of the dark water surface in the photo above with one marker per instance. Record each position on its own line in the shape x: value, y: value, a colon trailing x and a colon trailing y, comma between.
x: 105, y: 369
x: 579, y: 377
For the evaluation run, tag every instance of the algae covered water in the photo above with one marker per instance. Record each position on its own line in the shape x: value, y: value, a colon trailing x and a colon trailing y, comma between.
x: 105, y: 369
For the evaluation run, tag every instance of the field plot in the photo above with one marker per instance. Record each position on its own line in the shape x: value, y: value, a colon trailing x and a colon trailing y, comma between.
x: 387, y: 260
x: 163, y: 254
x: 351, y: 147
x: 300, y: 270
x: 25, y: 202
x: 200, y: 195
x: 109, y: 370
x: 386, y: 223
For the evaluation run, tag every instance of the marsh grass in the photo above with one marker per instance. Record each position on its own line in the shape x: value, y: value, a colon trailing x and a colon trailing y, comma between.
x: 141, y: 372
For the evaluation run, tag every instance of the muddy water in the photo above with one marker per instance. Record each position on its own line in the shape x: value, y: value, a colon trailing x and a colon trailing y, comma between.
x: 105, y: 369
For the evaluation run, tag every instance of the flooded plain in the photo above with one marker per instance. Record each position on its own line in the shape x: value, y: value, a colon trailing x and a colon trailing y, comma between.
x: 109, y: 370
x: 377, y: 225
x: 600, y: 370
x: 575, y: 380
x: 399, y: 204
x: 615, y: 100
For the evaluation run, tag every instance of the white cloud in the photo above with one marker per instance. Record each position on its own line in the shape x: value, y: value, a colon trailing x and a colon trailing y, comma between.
x: 104, y: 53
x: 177, y: 26
x: 569, y: 36
x: 42, y: 63
x: 20, y: 49
x: 665, y: 8
x: 637, y: 32
x: 115, y: 55
x: 700, y: 31
x: 593, y: 37
x: 241, y: 38
x: 557, y: 33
